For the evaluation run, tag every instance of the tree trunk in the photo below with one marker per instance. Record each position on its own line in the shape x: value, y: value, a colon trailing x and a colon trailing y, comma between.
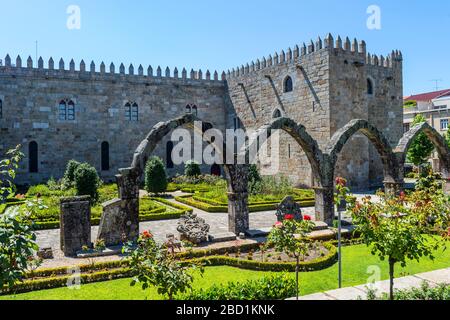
x: 296, y: 275
x: 391, y: 278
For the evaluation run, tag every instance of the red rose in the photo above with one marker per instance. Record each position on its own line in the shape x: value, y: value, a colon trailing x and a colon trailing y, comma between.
x: 306, y: 217
x: 278, y: 224
x: 289, y: 217
x: 146, y: 235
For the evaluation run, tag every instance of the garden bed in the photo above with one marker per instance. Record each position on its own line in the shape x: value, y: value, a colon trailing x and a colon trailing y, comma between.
x: 150, y: 208
x: 105, y: 271
x: 209, y: 205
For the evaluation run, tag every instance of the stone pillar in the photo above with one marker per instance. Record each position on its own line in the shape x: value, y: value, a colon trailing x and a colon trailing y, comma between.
x: 117, y: 224
x: 325, y: 204
x: 238, y: 219
x: 75, y: 219
x: 120, y: 218
x: 238, y: 214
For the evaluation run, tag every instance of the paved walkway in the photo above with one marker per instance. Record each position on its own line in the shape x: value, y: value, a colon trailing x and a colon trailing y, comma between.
x: 433, y: 278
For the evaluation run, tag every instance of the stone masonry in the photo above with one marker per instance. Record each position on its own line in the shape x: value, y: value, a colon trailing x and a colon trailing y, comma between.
x: 75, y: 219
x: 330, y: 86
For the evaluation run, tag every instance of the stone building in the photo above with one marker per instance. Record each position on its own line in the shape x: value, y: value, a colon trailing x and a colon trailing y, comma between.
x: 99, y: 116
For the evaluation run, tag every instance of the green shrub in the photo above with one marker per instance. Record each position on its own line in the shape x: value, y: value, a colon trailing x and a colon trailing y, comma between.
x: 155, y: 176
x: 69, y: 175
x: 192, y: 169
x: 87, y: 181
x: 254, y: 179
x: 266, y: 288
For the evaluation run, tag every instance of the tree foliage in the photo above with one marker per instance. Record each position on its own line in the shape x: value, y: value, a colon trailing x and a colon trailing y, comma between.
x: 153, y: 265
x: 87, y: 181
x: 155, y: 176
x: 192, y: 169
x: 17, y: 239
x: 421, y: 148
x: 397, y: 228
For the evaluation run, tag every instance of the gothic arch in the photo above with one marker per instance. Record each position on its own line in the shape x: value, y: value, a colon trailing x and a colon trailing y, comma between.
x: 236, y: 175
x: 438, y: 141
x: 299, y: 133
x: 379, y: 141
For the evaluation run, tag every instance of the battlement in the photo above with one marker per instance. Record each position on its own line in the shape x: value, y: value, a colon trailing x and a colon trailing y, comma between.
x: 104, y: 74
x: 295, y: 55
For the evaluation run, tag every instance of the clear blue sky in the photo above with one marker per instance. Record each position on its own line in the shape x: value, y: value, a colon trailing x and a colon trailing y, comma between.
x: 213, y: 34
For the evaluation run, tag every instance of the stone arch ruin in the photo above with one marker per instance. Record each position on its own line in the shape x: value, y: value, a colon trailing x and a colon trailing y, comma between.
x: 126, y: 208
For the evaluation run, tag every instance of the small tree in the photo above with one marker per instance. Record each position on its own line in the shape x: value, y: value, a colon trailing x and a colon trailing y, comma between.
x: 254, y: 179
x: 87, y: 181
x: 152, y: 264
x: 192, y: 169
x: 396, y: 228
x: 290, y: 236
x: 69, y: 174
x: 17, y: 239
x: 155, y: 176
x: 421, y: 148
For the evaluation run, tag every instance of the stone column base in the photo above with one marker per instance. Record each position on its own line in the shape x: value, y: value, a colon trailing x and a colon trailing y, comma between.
x: 325, y: 204
x: 238, y: 218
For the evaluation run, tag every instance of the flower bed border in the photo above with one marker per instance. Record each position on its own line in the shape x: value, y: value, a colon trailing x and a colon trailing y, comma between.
x: 58, y: 277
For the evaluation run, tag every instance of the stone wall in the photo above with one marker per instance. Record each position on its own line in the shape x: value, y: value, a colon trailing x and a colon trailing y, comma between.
x: 329, y: 89
x: 30, y: 113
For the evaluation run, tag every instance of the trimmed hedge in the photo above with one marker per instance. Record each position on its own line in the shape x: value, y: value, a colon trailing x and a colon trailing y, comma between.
x: 305, y: 266
x: 212, y: 206
x: 57, y: 277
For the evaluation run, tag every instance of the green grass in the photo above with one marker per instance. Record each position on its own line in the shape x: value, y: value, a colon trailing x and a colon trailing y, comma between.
x: 356, y: 260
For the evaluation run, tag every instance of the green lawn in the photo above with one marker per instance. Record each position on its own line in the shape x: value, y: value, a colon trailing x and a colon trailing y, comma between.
x: 356, y: 260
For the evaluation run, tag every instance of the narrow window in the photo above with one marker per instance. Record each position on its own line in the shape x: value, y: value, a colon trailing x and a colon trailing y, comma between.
x: 62, y: 110
x: 406, y: 127
x: 289, y: 150
x: 369, y: 87
x: 277, y: 114
x: 1, y: 109
x: 236, y: 123
x: 444, y: 124
x: 169, y: 149
x: 215, y: 170
x: 194, y: 110
x: 71, y: 110
x: 188, y: 109
x: 134, y: 112
x: 288, y: 84
x: 105, y: 156
x: 33, y: 157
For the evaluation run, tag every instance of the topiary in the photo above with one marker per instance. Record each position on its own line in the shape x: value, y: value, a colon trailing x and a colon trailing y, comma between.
x: 192, y: 169
x: 86, y: 181
x: 69, y: 174
x: 155, y: 176
x: 254, y: 180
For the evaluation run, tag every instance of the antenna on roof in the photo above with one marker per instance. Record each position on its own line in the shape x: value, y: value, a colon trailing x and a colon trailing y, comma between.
x: 436, y: 81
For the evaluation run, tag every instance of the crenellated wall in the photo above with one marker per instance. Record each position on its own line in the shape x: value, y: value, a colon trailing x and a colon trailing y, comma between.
x: 31, y: 96
x: 329, y: 88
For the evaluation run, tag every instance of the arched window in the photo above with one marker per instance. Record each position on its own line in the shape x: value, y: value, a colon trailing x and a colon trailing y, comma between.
x: 105, y: 156
x: 277, y: 114
x: 62, y: 110
x: 1, y: 109
x: 66, y: 110
x: 369, y: 87
x: 131, y: 111
x: 71, y: 110
x: 188, y: 109
x: 288, y: 84
x: 194, y: 110
x: 215, y: 170
x: 169, y: 149
x: 33, y: 166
